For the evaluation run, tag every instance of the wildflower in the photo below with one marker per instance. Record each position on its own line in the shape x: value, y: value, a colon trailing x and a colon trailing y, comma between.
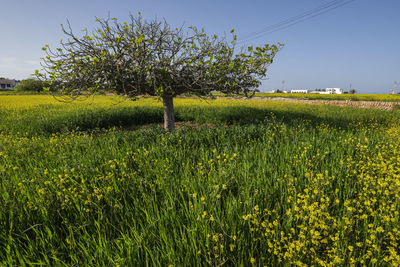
x: 380, y: 229
x: 246, y: 217
x: 204, y: 214
x: 215, y: 238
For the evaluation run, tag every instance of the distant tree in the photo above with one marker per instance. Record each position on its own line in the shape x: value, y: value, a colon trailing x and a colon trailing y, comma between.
x: 352, y: 91
x: 143, y: 57
x: 31, y: 85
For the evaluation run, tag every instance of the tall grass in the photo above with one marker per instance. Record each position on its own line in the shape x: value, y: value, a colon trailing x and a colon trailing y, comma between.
x: 283, y: 184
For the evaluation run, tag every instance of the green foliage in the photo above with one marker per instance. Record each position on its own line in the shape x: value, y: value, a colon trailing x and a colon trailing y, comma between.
x: 32, y: 85
x: 148, y: 57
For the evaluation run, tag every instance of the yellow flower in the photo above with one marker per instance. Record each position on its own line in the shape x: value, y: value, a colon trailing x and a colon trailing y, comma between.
x: 215, y: 238
x: 380, y: 229
x: 252, y: 260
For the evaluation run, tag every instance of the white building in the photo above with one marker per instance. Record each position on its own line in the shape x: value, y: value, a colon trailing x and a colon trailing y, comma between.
x: 333, y: 91
x: 6, y: 84
x: 299, y: 91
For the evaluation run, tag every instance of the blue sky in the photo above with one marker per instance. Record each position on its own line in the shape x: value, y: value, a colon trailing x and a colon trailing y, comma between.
x: 356, y: 44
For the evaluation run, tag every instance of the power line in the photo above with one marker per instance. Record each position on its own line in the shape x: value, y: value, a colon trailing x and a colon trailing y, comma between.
x: 296, y: 19
x: 299, y: 16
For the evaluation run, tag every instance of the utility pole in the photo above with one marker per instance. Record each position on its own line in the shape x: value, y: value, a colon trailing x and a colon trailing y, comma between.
x: 283, y: 86
x: 394, y: 88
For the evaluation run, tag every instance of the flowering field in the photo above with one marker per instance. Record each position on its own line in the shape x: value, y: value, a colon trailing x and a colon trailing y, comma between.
x: 273, y: 183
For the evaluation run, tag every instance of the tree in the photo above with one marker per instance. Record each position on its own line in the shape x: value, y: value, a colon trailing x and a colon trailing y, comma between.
x: 352, y: 91
x: 143, y: 57
x: 31, y: 85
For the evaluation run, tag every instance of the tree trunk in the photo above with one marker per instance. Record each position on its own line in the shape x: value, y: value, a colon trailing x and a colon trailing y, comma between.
x: 169, y: 120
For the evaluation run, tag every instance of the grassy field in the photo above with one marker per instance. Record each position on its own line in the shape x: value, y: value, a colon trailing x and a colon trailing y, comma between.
x: 273, y: 183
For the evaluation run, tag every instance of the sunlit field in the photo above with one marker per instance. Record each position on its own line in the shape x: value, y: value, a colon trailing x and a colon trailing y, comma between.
x: 254, y: 183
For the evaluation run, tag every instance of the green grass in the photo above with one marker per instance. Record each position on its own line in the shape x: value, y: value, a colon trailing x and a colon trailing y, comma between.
x: 271, y: 183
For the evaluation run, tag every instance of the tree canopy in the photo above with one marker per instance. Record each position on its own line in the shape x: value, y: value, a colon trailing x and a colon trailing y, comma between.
x: 149, y: 57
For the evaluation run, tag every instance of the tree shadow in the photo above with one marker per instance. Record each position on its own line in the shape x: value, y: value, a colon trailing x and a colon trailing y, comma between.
x: 337, y: 117
x: 134, y: 117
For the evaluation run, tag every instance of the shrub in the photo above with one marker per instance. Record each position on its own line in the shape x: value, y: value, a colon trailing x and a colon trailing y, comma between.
x: 31, y: 85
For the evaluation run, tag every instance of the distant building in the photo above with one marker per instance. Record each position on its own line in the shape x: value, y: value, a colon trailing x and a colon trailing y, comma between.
x: 6, y: 84
x: 333, y: 91
x: 299, y: 91
x: 326, y: 91
x: 277, y: 91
